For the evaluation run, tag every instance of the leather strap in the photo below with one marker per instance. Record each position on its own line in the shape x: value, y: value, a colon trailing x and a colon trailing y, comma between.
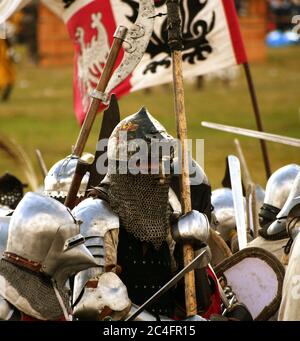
x: 26, y: 263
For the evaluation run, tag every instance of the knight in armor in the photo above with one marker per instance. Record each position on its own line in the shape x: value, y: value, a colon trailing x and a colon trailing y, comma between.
x: 135, y: 219
x: 44, y: 248
x: 278, y: 189
x: 288, y: 219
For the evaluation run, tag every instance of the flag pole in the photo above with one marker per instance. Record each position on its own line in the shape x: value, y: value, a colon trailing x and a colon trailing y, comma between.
x: 258, y: 119
x: 175, y: 44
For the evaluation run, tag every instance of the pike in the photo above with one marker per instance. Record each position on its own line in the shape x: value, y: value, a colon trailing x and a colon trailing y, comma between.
x: 137, y: 38
x: 290, y: 141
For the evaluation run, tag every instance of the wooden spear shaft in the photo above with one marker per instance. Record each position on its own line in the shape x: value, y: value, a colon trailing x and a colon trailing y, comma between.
x: 87, y: 125
x: 101, y: 86
x: 175, y: 43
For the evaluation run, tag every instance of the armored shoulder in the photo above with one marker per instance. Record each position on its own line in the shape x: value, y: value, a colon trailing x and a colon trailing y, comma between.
x: 96, y: 216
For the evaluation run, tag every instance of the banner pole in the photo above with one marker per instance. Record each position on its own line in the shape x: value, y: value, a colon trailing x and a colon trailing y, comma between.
x: 258, y: 119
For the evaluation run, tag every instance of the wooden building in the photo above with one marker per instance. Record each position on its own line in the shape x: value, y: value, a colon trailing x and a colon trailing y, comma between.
x: 253, y: 22
x: 55, y: 47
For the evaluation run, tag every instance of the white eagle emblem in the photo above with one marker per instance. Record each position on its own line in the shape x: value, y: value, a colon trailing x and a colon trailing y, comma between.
x: 91, y: 61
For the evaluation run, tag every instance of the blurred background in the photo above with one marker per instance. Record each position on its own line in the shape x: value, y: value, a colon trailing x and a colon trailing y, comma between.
x: 36, y: 108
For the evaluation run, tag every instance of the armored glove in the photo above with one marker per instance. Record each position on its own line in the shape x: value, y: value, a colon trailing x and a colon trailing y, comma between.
x: 192, y: 227
x: 108, y: 301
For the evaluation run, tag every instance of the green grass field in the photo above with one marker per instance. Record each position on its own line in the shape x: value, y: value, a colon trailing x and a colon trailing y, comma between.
x: 40, y: 114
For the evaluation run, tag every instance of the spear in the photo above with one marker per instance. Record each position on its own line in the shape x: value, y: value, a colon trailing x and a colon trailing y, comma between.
x: 175, y: 44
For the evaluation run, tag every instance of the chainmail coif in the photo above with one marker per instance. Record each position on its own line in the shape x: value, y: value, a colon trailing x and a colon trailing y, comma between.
x: 36, y: 288
x: 142, y: 205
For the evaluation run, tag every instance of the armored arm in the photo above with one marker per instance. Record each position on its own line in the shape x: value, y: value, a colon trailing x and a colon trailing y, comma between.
x: 98, y: 292
x: 191, y: 227
x: 108, y: 301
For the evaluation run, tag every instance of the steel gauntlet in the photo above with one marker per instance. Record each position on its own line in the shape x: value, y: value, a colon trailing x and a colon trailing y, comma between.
x: 191, y: 227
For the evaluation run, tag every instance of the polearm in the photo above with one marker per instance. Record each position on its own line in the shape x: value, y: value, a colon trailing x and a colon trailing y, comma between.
x: 119, y: 37
x: 175, y: 44
x: 85, y: 130
x: 137, y: 38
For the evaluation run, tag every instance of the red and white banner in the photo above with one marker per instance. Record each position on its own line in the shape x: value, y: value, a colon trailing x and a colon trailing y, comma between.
x: 211, y: 37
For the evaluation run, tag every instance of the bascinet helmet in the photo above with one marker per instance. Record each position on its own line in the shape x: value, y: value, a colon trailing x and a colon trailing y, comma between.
x: 277, y: 191
x: 59, y: 178
x: 139, y: 179
x: 44, y: 248
x: 44, y: 232
x: 222, y: 202
x: 280, y: 224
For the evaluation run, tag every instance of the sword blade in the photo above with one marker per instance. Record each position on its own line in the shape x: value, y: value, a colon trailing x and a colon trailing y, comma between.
x: 191, y: 266
x: 290, y: 141
x: 238, y: 199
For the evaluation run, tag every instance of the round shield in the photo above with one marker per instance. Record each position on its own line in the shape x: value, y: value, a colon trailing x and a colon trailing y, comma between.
x: 255, y: 276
